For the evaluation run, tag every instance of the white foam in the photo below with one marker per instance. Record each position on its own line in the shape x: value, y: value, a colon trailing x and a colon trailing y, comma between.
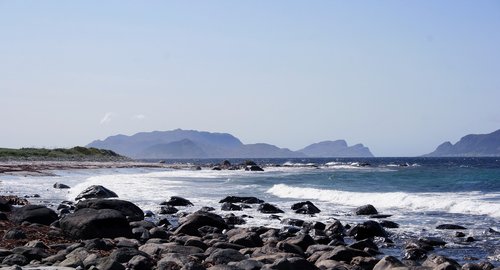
x: 466, y: 203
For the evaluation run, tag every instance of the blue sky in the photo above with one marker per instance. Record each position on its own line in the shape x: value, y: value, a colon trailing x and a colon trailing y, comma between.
x: 398, y: 76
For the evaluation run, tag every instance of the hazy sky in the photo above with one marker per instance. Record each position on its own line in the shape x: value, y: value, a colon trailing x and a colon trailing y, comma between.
x: 400, y: 77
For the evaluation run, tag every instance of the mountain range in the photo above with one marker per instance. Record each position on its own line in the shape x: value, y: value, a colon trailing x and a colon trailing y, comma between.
x: 472, y: 145
x: 179, y: 144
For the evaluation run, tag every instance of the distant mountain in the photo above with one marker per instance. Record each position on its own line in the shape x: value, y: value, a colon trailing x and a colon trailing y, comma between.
x: 200, y: 144
x: 337, y: 148
x: 473, y: 145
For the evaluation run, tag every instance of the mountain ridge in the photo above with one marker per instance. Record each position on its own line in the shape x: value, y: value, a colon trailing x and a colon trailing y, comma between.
x: 185, y: 144
x: 471, y: 145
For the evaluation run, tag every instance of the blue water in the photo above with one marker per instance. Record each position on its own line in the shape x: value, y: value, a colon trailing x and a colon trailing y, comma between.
x: 419, y: 193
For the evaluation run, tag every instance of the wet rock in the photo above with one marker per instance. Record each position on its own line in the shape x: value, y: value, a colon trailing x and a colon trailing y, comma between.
x: 60, y: 186
x: 207, y: 209
x: 459, y: 234
x: 367, y: 229
x: 432, y: 241
x: 177, y: 201
x: 293, y: 222
x: 366, y: 210
x: 224, y: 256
x: 246, y: 239
x: 96, y: 192
x: 3, y: 216
x: 317, y: 225
x: 231, y: 219
x: 434, y: 261
x: 131, y: 211
x: 471, y: 266
x: 267, y: 208
x: 5, y: 206
x: 14, y: 234
x: 31, y: 253
x: 450, y: 227
x: 196, y: 220
x: 90, y: 223
x: 306, y: 207
x: 387, y: 263
x: 240, y: 199
x: 415, y: 254
x: 254, y: 168
x: 380, y: 216
x: 366, y: 243
x: 34, y: 214
x: 341, y: 253
x: 247, y: 264
x: 389, y: 224
x: 303, y: 241
x: 227, y: 206
x: 365, y: 263
x: 168, y: 210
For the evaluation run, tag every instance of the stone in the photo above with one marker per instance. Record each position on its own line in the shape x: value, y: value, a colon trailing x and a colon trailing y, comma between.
x: 34, y: 214
x: 267, y: 208
x: 247, y: 264
x: 131, y: 211
x: 365, y: 243
x: 168, y: 210
x: 434, y: 261
x: 341, y: 253
x: 387, y: 263
x: 241, y: 199
x: 199, y: 219
x: 367, y: 209
x: 110, y: 264
x: 450, y: 227
x: 31, y: 253
x: 14, y: 234
x: 177, y: 201
x: 224, y: 256
x: 124, y: 254
x: 364, y: 262
x: 293, y: 222
x: 389, y: 224
x: 303, y: 241
x: 90, y: 223
x: 254, y: 168
x: 246, y: 239
x: 15, y: 259
x: 432, y: 241
x: 227, y: 206
x: 96, y: 192
x: 367, y: 229
x: 60, y: 186
x: 306, y: 207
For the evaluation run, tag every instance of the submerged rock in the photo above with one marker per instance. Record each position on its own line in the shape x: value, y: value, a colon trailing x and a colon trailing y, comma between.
x: 450, y: 227
x: 96, y: 192
x: 306, y: 207
x: 60, y: 186
x: 366, y: 210
x: 177, y: 201
x: 240, y: 199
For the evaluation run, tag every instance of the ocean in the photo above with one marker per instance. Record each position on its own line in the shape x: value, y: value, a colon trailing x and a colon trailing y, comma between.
x: 418, y: 193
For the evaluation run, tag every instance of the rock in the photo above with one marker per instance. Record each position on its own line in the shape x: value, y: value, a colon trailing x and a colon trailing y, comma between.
x: 31, y: 253
x: 293, y: 222
x: 240, y: 199
x: 5, y: 206
x: 90, y: 223
x: 60, y: 186
x: 123, y: 255
x: 306, y: 207
x: 247, y: 264
x: 231, y: 219
x: 380, y: 216
x: 415, y: 254
x: 177, y: 201
x: 96, y: 192
x: 303, y: 241
x: 207, y: 209
x: 364, y: 262
x: 341, y: 253
x: 335, y: 228
x: 254, y: 168
x: 334, y: 265
x: 13, y: 200
x: 389, y: 224
x: 14, y: 234
x: 168, y: 210
x: 366, y: 210
x: 432, y: 241
x: 450, y: 227
x: 246, y: 239
x: 459, y: 234
x: 175, y: 261
x: 110, y: 264
x: 267, y: 208
x: 159, y: 232
x: 131, y: 211
x: 199, y: 219
x: 194, y: 242
x: 227, y: 206
x: 293, y: 263
x: 471, y: 266
x: 224, y: 256
x: 36, y: 244
x: 75, y: 258
x: 434, y: 261
x: 15, y: 259
x: 367, y: 229
x: 387, y: 263
x: 34, y: 214
x: 3, y: 216
x: 365, y: 243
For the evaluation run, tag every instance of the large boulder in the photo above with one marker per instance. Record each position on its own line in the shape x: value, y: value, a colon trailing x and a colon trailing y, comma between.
x: 196, y: 220
x: 388, y: 262
x: 306, y: 207
x: 267, y: 208
x: 131, y: 211
x: 240, y: 199
x: 366, y: 210
x: 177, y: 201
x: 367, y: 229
x: 88, y: 223
x: 96, y: 192
x: 34, y: 214
x: 341, y: 253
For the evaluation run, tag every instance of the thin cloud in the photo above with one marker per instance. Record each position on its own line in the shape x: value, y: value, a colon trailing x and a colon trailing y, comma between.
x: 138, y: 117
x: 107, y: 118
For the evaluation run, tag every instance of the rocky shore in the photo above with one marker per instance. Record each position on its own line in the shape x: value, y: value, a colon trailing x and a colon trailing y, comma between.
x: 100, y: 231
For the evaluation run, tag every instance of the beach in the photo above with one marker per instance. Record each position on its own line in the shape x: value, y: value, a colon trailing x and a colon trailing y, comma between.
x: 408, y: 225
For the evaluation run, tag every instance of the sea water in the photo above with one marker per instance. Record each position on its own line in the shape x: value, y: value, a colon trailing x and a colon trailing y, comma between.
x: 419, y: 193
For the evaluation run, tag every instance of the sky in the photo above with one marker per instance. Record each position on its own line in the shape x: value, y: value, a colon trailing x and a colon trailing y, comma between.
x: 401, y: 77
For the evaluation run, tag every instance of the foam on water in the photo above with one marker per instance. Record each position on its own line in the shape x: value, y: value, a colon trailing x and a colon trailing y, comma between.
x: 466, y: 203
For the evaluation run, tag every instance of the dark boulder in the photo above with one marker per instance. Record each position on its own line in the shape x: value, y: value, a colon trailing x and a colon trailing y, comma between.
x: 365, y: 243
x: 267, y: 208
x: 227, y: 206
x: 293, y: 222
x: 3, y: 216
x: 239, y: 199
x: 168, y: 210
x: 60, y: 186
x: 450, y: 227
x: 14, y: 234
x: 124, y: 254
x: 292, y: 263
x: 341, y: 253
x: 5, y: 206
x: 224, y: 256
x: 91, y: 223
x: 177, y: 201
x: 254, y: 168
x: 306, y: 207
x: 131, y: 211
x: 389, y: 224
x: 366, y: 210
x: 196, y: 220
x: 34, y: 214
x: 432, y: 241
x: 15, y: 259
x: 232, y: 219
x: 389, y: 262
x: 246, y: 239
x: 367, y: 229
x: 31, y: 253
x: 96, y: 192
x: 303, y: 241
x: 415, y: 254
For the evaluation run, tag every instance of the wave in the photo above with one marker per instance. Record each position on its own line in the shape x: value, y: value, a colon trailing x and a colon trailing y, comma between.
x: 466, y: 203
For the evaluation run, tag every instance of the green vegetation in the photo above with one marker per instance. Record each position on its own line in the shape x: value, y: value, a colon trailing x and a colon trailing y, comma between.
x: 75, y: 153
